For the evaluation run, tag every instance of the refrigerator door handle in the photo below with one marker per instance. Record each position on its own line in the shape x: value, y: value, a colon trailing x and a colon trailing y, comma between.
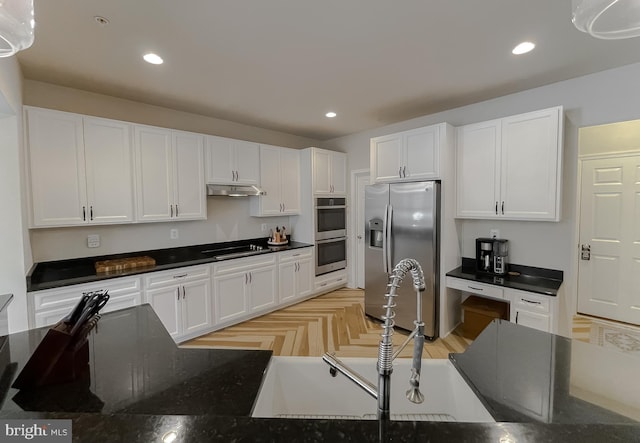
x: 387, y: 231
x: 384, y: 239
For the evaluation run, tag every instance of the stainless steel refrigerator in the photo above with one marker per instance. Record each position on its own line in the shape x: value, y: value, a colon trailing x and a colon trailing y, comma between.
x: 401, y: 222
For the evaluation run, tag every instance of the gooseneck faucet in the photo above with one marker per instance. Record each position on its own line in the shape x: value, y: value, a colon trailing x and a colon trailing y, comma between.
x: 385, y: 349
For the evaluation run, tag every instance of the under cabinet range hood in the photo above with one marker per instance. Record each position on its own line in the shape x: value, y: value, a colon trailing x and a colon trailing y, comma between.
x: 234, y: 190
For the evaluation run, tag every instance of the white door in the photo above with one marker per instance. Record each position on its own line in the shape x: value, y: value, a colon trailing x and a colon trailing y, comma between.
x: 230, y: 296
x: 108, y: 158
x: 247, y: 163
x: 220, y: 159
x: 290, y: 180
x: 305, y: 274
x: 338, y: 173
x: 154, y: 167
x: 386, y: 158
x: 271, y: 203
x: 166, y: 304
x: 422, y: 153
x: 362, y: 180
x: 264, y: 293
x: 321, y: 165
x: 56, y: 150
x: 477, y: 173
x: 287, y: 281
x: 196, y: 306
x: 609, y: 272
x: 189, y: 190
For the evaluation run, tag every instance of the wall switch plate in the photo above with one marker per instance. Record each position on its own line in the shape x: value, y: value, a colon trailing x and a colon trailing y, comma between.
x: 263, y: 226
x: 494, y: 233
x: 93, y: 241
x: 173, y: 234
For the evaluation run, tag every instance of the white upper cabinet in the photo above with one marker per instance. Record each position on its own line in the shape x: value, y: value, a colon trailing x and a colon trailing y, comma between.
x: 170, y: 174
x: 280, y: 179
x: 407, y: 156
x: 329, y: 172
x: 510, y: 168
x: 232, y: 162
x: 80, y: 169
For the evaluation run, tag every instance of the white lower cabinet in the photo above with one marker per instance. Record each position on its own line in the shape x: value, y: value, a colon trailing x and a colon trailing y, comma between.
x: 49, y: 306
x: 329, y: 282
x: 532, y: 310
x: 295, y: 274
x: 182, y: 300
x: 243, y: 287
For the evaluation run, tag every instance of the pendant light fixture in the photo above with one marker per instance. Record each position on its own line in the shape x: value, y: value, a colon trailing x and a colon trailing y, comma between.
x: 16, y: 26
x: 607, y: 19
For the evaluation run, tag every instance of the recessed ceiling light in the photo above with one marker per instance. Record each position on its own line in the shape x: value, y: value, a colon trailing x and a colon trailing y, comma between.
x: 152, y: 58
x: 523, y: 48
x: 330, y: 114
x: 101, y: 20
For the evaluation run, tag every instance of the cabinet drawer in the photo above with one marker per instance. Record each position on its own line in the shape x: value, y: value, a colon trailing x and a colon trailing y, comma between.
x: 528, y: 301
x: 68, y: 296
x: 475, y: 287
x: 296, y: 254
x: 244, y: 264
x: 178, y: 275
x: 330, y: 280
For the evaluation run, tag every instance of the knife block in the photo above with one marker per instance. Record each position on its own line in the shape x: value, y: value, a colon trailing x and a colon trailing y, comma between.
x: 59, y: 358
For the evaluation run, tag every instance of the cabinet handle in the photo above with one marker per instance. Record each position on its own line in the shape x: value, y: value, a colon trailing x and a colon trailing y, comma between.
x: 176, y: 210
x: 280, y: 207
x: 503, y: 208
x: 180, y: 275
x: 250, y: 277
x: 518, y: 312
x: 178, y: 292
x: 496, y: 208
x: 184, y: 292
x: 323, y: 284
x: 404, y: 171
x: 246, y: 278
x: 475, y: 289
x: 283, y: 207
x: 91, y: 212
x: 295, y: 255
x: 171, y: 207
x: 400, y: 172
x: 531, y: 301
x: 84, y: 213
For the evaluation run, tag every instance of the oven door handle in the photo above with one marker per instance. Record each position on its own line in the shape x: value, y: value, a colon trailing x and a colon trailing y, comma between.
x: 332, y: 207
x: 330, y: 240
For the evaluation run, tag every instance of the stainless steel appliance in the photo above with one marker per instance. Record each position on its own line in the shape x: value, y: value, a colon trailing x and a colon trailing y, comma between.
x: 331, y: 218
x: 500, y: 253
x: 401, y: 222
x: 331, y: 255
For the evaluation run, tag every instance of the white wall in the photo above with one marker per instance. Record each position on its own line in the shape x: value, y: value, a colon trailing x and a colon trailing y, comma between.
x: 15, y: 255
x: 604, y: 97
x: 228, y: 219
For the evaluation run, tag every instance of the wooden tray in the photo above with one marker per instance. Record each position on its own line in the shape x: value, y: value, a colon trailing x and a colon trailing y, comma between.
x: 123, y: 264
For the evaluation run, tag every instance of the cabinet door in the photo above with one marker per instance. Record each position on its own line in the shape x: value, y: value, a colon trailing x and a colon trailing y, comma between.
x: 305, y: 275
x: 532, y: 320
x: 287, y: 281
x: 196, y: 306
x: 386, y: 158
x: 530, y: 164
x: 230, y: 296
x: 166, y: 304
x: 477, y: 174
x: 422, y: 153
x: 56, y: 150
x: 154, y: 166
x: 338, y: 173
x: 290, y: 180
x: 321, y: 177
x: 271, y: 203
x: 264, y: 292
x: 220, y: 160
x: 108, y: 159
x: 247, y: 163
x: 189, y: 190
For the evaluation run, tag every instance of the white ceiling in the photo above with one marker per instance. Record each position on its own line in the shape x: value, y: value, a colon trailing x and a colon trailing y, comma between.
x: 281, y: 64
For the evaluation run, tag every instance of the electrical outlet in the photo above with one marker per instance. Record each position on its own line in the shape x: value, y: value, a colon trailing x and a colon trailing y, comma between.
x: 264, y: 227
x: 494, y: 233
x: 173, y: 234
x: 93, y: 241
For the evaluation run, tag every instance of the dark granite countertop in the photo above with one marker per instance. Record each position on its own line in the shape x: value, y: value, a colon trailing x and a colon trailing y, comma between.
x: 53, y: 274
x: 141, y: 386
x: 528, y: 278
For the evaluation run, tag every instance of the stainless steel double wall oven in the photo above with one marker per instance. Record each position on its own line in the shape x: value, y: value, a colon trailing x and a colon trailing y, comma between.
x: 330, y: 234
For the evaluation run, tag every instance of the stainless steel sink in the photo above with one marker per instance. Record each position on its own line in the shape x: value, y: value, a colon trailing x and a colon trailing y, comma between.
x: 235, y: 252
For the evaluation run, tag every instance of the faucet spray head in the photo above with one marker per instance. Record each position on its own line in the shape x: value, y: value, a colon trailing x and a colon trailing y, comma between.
x: 413, y: 394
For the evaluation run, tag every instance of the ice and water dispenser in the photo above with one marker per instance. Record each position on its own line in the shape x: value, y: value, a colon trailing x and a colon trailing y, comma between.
x: 375, y: 229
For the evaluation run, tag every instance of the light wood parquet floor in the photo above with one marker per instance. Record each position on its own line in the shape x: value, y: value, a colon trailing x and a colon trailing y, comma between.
x: 334, y: 322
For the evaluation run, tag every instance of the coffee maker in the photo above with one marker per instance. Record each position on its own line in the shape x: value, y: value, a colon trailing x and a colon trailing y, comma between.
x: 491, y: 255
